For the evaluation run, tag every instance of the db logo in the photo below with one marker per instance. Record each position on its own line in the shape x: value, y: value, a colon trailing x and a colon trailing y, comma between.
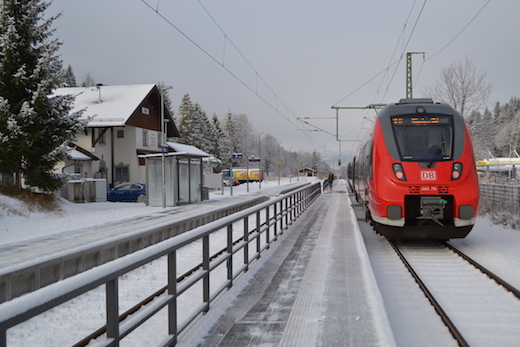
x: 428, y: 175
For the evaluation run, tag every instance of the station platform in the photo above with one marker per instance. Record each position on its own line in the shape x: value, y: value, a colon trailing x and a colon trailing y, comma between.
x: 316, y: 288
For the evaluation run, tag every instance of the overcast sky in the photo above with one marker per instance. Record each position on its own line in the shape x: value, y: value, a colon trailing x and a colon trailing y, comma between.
x: 301, y: 57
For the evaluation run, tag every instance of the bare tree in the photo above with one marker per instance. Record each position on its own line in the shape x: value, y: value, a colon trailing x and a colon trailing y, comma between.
x: 462, y: 87
x: 88, y: 80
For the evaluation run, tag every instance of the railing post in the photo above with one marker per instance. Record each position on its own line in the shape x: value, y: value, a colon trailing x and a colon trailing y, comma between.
x: 275, y: 216
x: 300, y: 202
x: 293, y: 214
x: 258, y: 225
x: 286, y: 209
x: 268, y: 230
x: 205, y: 268
x: 280, y: 212
x: 246, y: 241
x: 112, y: 307
x: 230, y: 255
x: 172, y: 290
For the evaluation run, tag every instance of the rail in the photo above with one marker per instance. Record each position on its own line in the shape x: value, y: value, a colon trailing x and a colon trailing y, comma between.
x: 440, y: 311
x: 278, y: 214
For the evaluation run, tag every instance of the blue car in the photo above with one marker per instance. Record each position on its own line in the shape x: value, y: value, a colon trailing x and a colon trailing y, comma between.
x: 128, y: 191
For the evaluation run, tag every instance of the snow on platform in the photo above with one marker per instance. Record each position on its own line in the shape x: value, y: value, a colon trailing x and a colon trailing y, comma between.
x: 316, y: 289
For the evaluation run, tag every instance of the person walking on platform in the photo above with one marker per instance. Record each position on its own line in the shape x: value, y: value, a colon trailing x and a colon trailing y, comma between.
x: 330, y: 180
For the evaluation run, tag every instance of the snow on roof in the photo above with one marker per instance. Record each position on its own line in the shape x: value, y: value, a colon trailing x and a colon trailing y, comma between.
x: 74, y: 154
x: 107, y: 105
x: 191, y: 150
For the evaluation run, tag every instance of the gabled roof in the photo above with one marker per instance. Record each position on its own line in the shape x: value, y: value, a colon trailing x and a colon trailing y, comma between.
x: 107, y: 105
x: 75, y: 152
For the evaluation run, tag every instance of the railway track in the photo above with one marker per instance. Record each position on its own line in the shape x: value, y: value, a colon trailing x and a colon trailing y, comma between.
x: 478, y: 307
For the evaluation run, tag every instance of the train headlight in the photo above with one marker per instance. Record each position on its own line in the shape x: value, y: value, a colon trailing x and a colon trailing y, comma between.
x: 398, y: 172
x: 456, y: 171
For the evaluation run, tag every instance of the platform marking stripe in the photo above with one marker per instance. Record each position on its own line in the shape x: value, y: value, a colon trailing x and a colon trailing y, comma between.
x: 303, y: 326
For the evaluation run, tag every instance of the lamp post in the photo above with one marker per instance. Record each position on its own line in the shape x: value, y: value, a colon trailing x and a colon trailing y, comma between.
x: 290, y: 165
x: 163, y: 145
x: 279, y: 163
x: 260, y: 162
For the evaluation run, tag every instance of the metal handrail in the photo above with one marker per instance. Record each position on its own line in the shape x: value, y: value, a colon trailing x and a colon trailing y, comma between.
x: 286, y: 209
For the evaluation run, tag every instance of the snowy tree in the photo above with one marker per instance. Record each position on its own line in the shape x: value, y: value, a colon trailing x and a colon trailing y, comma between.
x: 88, y: 80
x: 167, y: 100
x: 245, y: 137
x: 185, y: 121
x: 507, y: 122
x: 483, y: 130
x: 270, y: 148
x: 202, y: 135
x: 462, y: 88
x: 230, y: 132
x: 193, y: 124
x: 217, y: 139
x: 68, y: 77
x: 496, y: 134
x: 34, y: 124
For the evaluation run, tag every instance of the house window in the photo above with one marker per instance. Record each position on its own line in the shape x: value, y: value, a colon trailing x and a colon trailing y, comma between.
x: 78, y: 169
x: 120, y: 134
x: 122, y: 173
x: 145, y: 138
x: 159, y: 140
x: 101, y: 136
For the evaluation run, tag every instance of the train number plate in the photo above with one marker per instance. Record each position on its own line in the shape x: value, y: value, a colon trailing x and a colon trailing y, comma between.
x: 428, y: 175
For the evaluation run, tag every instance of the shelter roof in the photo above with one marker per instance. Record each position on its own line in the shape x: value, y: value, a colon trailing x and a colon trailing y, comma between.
x: 190, y: 150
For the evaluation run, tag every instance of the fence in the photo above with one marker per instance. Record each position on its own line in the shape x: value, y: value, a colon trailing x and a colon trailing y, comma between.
x: 499, y: 198
x: 22, y: 279
x: 278, y: 214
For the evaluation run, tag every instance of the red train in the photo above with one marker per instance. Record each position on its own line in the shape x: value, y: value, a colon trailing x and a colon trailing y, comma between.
x: 416, y: 174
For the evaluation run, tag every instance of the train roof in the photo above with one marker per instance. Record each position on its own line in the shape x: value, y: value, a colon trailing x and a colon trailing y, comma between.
x: 417, y: 106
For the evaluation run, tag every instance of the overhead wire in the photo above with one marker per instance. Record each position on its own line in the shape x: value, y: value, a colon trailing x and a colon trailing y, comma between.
x: 395, y: 49
x: 425, y: 60
x: 404, y: 48
x: 227, y: 39
x: 460, y: 32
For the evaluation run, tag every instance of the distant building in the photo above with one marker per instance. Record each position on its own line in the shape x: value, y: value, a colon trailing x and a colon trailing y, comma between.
x: 123, y: 123
x: 307, y: 172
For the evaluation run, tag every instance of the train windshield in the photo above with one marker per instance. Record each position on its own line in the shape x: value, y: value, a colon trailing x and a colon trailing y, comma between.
x: 424, y: 137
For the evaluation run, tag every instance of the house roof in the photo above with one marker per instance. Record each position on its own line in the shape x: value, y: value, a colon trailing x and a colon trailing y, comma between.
x: 107, y: 105
x: 75, y: 152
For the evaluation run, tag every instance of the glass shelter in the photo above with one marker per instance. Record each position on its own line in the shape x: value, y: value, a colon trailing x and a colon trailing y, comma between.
x: 182, y: 182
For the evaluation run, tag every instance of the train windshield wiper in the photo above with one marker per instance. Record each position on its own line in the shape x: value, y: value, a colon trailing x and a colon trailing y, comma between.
x: 435, y: 151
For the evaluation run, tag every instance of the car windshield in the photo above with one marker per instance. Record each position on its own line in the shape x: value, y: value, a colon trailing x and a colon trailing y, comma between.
x: 423, y: 137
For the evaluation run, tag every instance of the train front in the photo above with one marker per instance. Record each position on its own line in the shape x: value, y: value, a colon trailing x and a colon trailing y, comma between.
x: 425, y: 184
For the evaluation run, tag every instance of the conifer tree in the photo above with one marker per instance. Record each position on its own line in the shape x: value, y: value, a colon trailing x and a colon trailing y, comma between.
x: 202, y: 129
x: 230, y: 132
x: 34, y: 124
x: 217, y: 139
x: 185, y: 121
x: 68, y: 77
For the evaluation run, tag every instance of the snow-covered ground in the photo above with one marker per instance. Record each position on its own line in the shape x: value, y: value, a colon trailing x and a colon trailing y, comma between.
x: 412, y: 318
x: 493, y: 246
x: 17, y: 224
